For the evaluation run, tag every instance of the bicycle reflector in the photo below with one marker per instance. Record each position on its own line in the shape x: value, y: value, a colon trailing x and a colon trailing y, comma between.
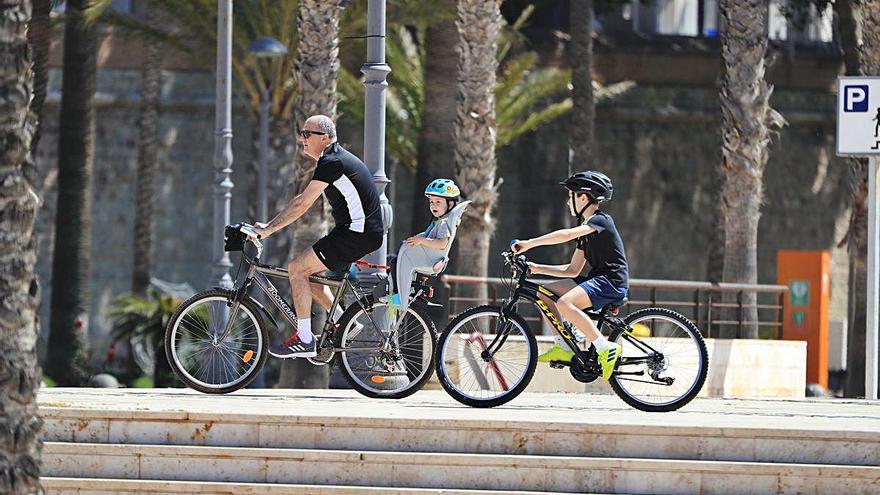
x: 377, y: 379
x: 247, y: 357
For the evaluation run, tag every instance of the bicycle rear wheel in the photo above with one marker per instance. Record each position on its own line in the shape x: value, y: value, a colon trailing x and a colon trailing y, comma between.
x: 664, y: 371
x: 397, y: 371
x: 200, y: 359
x: 471, y: 377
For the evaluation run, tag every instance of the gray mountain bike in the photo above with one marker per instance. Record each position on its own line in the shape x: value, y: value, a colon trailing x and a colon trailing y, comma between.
x: 217, y: 341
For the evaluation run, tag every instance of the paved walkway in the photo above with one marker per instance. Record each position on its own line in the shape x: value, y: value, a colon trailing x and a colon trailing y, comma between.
x: 845, y: 417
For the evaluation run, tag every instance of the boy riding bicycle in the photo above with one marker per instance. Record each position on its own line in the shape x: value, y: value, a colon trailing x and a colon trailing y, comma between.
x: 598, y: 243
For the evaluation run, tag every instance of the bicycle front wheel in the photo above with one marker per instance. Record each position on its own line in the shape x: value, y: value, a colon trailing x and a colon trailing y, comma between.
x: 380, y: 362
x: 663, y: 368
x: 484, y: 360
x: 197, y: 355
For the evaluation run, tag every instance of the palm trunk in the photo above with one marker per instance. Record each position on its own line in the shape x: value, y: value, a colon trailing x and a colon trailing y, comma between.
x: 435, y: 155
x: 474, y: 135
x: 281, y: 162
x: 583, y: 115
x: 68, y: 324
x: 148, y: 155
x: 859, y: 25
x: 745, y: 115
x: 19, y: 371
x: 39, y: 36
x: 857, y: 243
x: 314, y: 74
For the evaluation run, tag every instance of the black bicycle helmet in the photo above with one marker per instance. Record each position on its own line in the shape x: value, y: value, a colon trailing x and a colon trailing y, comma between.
x: 595, y: 184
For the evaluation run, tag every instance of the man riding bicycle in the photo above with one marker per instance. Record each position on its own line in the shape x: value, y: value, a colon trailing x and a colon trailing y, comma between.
x: 598, y: 243
x: 349, y: 189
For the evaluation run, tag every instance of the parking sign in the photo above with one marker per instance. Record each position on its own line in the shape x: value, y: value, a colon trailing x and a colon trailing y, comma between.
x: 858, y: 116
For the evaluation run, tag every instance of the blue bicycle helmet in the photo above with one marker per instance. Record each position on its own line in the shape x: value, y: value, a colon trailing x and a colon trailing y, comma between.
x: 443, y: 188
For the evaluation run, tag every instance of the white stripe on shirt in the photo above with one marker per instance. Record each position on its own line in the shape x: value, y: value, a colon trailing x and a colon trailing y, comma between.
x: 353, y: 200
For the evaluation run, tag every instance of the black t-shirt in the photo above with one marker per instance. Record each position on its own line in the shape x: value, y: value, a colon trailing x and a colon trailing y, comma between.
x: 352, y: 194
x: 603, y: 250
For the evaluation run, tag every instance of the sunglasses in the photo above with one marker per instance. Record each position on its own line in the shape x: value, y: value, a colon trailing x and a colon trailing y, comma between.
x: 307, y: 133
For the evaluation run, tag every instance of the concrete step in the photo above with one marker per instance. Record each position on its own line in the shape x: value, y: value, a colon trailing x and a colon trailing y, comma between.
x: 107, y: 486
x: 451, y: 471
x: 604, y: 438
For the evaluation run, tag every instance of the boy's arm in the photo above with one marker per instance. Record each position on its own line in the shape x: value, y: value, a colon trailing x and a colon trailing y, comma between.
x: 556, y: 237
x: 572, y: 269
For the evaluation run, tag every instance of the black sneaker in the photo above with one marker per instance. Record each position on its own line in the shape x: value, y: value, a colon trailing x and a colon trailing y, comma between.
x: 294, y: 348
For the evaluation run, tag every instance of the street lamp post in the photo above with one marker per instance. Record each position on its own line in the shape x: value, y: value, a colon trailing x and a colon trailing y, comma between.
x: 268, y: 48
x: 375, y: 72
x: 222, y: 145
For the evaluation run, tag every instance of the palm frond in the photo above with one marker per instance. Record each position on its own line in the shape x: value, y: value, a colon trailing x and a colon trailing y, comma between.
x: 533, y: 121
x: 513, y: 72
x: 611, y: 91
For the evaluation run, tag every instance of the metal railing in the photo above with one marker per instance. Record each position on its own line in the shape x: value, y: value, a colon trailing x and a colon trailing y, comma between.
x: 710, y: 306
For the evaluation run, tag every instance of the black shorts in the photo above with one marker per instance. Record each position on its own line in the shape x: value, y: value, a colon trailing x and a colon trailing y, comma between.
x: 343, y: 246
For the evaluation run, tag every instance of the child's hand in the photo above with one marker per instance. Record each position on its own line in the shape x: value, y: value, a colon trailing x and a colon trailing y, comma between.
x: 415, y: 240
x: 519, y: 247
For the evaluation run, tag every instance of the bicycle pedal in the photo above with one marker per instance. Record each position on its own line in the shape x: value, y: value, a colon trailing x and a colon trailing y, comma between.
x: 558, y: 365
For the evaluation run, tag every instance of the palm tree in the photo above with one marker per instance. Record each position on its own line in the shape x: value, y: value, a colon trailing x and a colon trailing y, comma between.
x: 39, y: 36
x: 21, y: 446
x: 859, y: 27
x: 434, y: 153
x: 71, y: 263
x: 583, y: 117
x: 475, y: 131
x: 526, y: 96
x: 148, y: 156
x: 314, y: 75
x: 746, y: 118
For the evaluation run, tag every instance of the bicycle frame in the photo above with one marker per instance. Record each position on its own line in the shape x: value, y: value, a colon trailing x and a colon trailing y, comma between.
x: 260, y: 274
x: 531, y: 291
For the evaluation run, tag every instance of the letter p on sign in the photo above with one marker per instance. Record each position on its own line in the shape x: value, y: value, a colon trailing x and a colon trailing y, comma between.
x: 855, y: 98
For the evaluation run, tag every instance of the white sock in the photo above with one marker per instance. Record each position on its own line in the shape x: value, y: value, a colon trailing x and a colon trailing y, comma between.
x: 602, y: 343
x: 304, y: 330
x: 337, y: 313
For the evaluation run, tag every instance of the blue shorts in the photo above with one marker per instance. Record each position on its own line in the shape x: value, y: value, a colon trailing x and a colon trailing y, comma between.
x: 600, y: 290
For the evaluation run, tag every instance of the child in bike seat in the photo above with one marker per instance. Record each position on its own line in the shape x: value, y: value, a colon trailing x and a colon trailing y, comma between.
x: 426, y: 252
x: 597, y: 242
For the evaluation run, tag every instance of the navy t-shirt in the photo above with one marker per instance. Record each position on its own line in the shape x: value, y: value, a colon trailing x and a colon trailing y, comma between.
x: 352, y: 195
x: 604, y: 251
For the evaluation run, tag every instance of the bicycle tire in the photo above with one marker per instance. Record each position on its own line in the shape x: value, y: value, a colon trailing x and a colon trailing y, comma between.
x: 694, y: 333
x: 261, y: 353
x: 445, y: 377
x: 351, y: 314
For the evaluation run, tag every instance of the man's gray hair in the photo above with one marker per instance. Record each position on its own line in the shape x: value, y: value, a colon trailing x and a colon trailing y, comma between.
x: 324, y: 124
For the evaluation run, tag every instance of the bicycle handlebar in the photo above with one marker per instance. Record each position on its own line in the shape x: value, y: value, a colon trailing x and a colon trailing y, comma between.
x: 252, y: 236
x: 517, y: 262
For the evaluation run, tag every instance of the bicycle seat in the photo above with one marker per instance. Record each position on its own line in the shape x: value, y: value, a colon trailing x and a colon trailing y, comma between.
x: 617, y: 304
x: 611, y: 308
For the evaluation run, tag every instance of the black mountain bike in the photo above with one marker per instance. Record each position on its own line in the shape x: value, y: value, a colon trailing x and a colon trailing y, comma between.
x: 217, y: 341
x: 487, y: 355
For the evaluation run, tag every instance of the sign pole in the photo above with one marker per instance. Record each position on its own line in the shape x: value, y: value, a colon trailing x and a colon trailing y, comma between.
x: 871, y: 339
x: 858, y: 134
